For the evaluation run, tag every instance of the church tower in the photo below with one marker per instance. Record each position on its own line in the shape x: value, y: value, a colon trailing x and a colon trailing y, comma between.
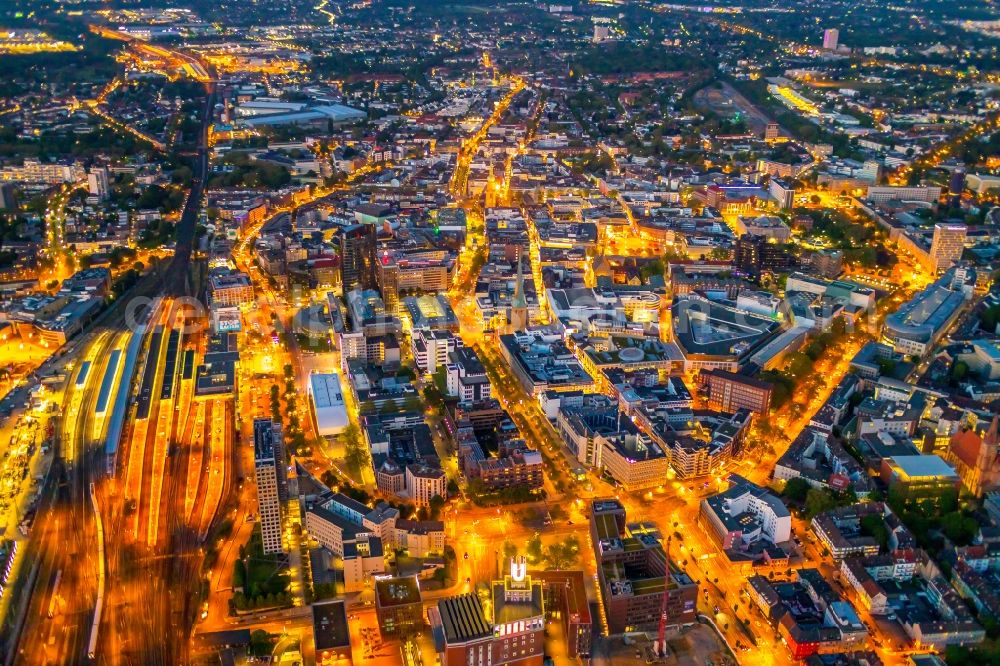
x: 987, y: 461
x: 518, y: 304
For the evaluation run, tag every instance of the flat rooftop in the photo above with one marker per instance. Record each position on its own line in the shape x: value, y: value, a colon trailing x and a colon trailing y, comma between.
x: 330, y: 625
x: 923, y: 466
x: 326, y: 390
x: 396, y: 591
x: 712, y: 329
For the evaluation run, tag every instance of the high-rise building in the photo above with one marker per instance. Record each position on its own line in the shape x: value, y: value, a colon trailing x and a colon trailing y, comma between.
x: 466, y: 376
x: 827, y: 263
x: 266, y: 466
x: 757, y: 254
x: 268, y: 429
x: 398, y: 606
x: 357, y: 257
x: 744, y: 514
x: 431, y: 348
x: 830, y: 38
x: 97, y: 182
x: 947, y: 245
x: 229, y: 289
x: 425, y: 270
x: 8, y: 196
x: 772, y: 131
x: 956, y: 185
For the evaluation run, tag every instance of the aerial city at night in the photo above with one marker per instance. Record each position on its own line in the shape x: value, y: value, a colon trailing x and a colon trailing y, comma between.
x: 485, y: 332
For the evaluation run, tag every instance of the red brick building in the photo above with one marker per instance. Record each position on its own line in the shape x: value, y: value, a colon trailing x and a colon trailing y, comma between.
x: 728, y: 391
x: 566, y: 592
x: 514, y: 632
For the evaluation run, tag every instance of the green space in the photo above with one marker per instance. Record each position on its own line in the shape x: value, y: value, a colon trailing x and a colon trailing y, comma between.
x: 933, y: 520
x: 813, y: 501
x: 261, y: 580
x: 242, y: 171
x: 481, y: 495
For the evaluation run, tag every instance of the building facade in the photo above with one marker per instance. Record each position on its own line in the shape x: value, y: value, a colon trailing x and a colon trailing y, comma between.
x: 268, y: 501
x: 357, y: 257
x: 728, y: 391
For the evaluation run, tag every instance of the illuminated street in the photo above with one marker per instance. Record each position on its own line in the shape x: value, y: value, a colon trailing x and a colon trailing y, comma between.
x: 440, y: 334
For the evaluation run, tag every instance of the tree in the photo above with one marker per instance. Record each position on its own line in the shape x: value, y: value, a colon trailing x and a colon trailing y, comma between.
x: 959, y: 370
x: 799, y: 365
x: 533, y: 549
x: 564, y: 554
x: 989, y: 318
x: 356, y: 453
x: 872, y: 525
x: 651, y: 269
x: 441, y: 379
x: 886, y: 366
x: 239, y: 574
x: 819, y: 501
x: 436, y: 504
x: 958, y: 528
x: 948, y: 500
x: 797, y: 489
x: 719, y: 254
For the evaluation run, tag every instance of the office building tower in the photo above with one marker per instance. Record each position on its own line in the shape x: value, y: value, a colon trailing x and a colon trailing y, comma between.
x: 268, y: 501
x: 947, y: 245
x: 956, y: 185
x: 8, y: 197
x: 639, y: 583
x: 98, y: 182
x: 772, y: 132
x: 757, y: 254
x: 830, y: 39
x: 357, y: 257
x: 268, y: 429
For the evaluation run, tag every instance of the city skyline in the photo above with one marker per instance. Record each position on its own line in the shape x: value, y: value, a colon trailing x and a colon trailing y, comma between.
x: 421, y: 332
